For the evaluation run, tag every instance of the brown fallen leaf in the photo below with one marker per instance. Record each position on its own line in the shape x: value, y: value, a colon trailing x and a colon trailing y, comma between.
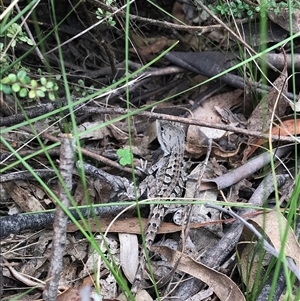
x: 197, y: 136
x: 132, y: 226
x: 286, y: 128
x: 149, y: 48
x: 70, y: 294
x: 282, y: 18
x: 272, y: 228
x: 261, y: 118
x: 222, y: 285
x: 178, y: 13
x: 247, y: 169
x: 23, y: 197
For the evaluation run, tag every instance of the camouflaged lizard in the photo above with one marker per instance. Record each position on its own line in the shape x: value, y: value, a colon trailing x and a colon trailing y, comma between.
x: 165, y: 181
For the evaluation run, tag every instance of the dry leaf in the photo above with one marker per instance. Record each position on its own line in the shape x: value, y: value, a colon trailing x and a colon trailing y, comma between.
x: 141, y: 295
x: 286, y: 128
x: 199, y: 212
x: 207, y: 112
x: 25, y: 200
x: 178, y: 13
x: 93, y: 135
x: 71, y: 294
x: 252, y: 263
x: 147, y: 47
x: 222, y: 285
x: 129, y: 255
x: 132, y: 225
x: 261, y: 118
x: 272, y: 228
x: 197, y: 136
x: 282, y: 18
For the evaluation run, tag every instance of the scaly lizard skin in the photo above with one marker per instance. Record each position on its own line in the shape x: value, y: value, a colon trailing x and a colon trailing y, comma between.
x: 165, y: 182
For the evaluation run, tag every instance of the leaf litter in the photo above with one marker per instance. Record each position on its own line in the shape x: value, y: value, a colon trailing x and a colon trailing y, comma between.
x: 232, y: 177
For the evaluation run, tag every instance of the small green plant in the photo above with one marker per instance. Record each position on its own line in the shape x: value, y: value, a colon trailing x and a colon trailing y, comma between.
x: 15, y: 30
x: 271, y: 4
x: 240, y: 9
x: 5, y: 61
x: 125, y: 155
x: 236, y: 8
x: 24, y: 86
x: 81, y: 88
x: 101, y: 14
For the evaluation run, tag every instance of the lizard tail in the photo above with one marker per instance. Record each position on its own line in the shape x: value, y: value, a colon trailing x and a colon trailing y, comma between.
x: 155, y: 219
x: 137, y: 283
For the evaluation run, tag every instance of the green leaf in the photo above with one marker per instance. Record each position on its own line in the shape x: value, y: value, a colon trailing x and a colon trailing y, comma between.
x: 40, y: 93
x: 15, y: 28
x: 16, y: 87
x: 22, y: 39
x: 23, y: 92
x: 49, y: 85
x: 51, y: 96
x: 32, y: 94
x: 29, y: 42
x: 21, y: 75
x: 33, y: 83
x: 6, y: 89
x: 125, y: 155
x: 99, y: 11
x: 43, y: 81
x: 26, y: 80
x: 111, y: 21
x: 5, y: 80
x: 91, y: 89
x: 12, y: 77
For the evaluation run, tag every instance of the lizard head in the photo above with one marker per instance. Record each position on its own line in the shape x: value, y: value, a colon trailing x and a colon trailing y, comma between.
x: 170, y: 136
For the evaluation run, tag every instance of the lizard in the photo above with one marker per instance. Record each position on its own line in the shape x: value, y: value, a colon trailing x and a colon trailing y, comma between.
x: 165, y: 181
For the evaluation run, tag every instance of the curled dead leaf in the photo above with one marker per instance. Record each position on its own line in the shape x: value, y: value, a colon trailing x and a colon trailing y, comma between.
x: 252, y: 264
x: 286, y: 128
x: 222, y: 285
